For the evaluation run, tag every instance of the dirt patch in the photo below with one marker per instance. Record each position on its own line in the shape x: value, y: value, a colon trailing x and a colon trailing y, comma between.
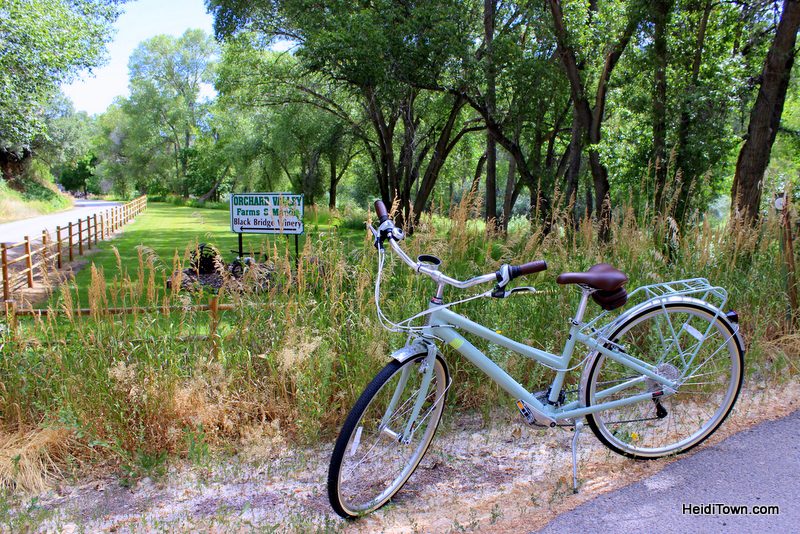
x: 46, y: 282
x: 507, y: 477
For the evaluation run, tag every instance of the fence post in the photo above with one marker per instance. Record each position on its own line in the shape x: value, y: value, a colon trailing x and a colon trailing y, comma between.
x: 45, y: 258
x: 6, y: 285
x: 94, y: 217
x: 89, y: 232
x: 791, y: 273
x: 29, y: 261
x: 80, y: 237
x: 70, y: 241
x: 214, y: 309
x: 102, y: 226
x: 58, y: 246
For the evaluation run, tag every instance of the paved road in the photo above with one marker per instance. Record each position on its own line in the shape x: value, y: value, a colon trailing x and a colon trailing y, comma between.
x: 16, y: 231
x: 756, y: 467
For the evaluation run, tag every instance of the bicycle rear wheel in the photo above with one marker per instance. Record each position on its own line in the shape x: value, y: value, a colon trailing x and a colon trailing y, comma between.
x: 370, y: 463
x: 691, y: 346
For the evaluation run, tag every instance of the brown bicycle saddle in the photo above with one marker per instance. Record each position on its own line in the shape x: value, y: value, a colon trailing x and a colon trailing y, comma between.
x: 601, y: 276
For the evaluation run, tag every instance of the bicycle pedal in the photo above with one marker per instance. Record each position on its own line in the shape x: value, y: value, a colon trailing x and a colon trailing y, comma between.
x: 526, y: 412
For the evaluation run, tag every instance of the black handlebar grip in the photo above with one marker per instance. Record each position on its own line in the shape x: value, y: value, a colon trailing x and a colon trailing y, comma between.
x: 528, y: 268
x: 380, y: 209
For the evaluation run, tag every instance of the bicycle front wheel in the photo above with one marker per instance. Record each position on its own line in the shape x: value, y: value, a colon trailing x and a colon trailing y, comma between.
x: 371, y: 461
x: 690, y: 345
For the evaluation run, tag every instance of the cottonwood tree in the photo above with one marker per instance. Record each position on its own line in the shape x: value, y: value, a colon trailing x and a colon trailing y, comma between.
x: 765, y: 116
x: 407, y: 125
x: 168, y: 112
x: 597, y: 36
x: 527, y: 115
x: 44, y: 43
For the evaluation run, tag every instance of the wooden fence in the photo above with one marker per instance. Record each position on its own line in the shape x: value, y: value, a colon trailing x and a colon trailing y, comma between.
x: 42, y: 253
x: 214, y: 308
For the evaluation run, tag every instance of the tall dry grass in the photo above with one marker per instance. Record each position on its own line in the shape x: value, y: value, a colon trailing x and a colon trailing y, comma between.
x: 291, y: 358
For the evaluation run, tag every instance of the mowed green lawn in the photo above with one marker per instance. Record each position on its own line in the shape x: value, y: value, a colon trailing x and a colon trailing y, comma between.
x: 165, y: 229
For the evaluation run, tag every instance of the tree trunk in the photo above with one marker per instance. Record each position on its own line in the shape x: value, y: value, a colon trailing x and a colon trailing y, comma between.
x: 574, y: 166
x: 661, y: 11
x: 333, y: 183
x: 441, y: 150
x: 213, y: 191
x: 511, y: 193
x: 476, y: 179
x: 385, y: 170
x: 765, y: 116
x: 601, y: 195
x: 12, y: 163
x: 185, y: 163
x: 591, y: 117
x: 589, y: 202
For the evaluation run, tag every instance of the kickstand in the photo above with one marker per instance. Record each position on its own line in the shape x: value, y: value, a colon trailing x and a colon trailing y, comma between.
x: 578, y: 427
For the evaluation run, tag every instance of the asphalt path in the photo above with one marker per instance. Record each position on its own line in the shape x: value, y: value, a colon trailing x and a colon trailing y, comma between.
x: 756, y: 468
x: 15, y: 231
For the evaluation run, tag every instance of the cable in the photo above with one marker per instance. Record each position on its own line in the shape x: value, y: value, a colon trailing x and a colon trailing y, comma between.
x: 405, y: 324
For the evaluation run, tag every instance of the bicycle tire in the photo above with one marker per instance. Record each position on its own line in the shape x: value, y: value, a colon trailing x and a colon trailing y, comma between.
x: 382, y: 473
x: 702, y: 400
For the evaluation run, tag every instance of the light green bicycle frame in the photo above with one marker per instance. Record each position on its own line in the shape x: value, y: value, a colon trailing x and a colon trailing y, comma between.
x: 443, y: 324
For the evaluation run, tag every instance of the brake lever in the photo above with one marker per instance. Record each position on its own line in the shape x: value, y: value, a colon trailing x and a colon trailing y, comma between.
x: 501, y: 293
x: 376, y: 236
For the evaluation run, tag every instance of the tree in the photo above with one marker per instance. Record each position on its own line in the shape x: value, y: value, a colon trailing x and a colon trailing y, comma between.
x: 166, y: 78
x: 765, y: 116
x: 290, y: 137
x: 30, y: 72
x: 526, y: 117
x: 77, y: 177
x: 407, y: 125
x: 661, y: 11
x: 489, y: 11
x: 620, y: 20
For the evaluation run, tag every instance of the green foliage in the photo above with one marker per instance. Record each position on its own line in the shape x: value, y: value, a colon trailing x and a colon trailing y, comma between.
x: 78, y: 177
x: 293, y: 359
x: 160, y: 139
x: 33, y: 194
x: 45, y: 43
x: 784, y: 169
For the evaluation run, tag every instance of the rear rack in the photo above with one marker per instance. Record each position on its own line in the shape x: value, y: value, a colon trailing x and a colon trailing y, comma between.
x: 699, y: 288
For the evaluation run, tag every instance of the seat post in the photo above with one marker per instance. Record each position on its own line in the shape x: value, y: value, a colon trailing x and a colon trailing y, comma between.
x: 585, y: 292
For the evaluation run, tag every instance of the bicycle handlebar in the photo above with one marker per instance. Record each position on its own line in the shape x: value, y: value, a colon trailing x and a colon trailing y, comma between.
x: 505, y: 274
x: 531, y: 267
x: 380, y: 210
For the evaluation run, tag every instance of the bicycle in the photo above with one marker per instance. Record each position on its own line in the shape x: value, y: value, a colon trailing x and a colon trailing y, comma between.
x: 651, y: 385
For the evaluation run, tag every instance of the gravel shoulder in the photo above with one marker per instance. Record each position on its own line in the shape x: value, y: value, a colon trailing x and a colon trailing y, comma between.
x: 508, y: 477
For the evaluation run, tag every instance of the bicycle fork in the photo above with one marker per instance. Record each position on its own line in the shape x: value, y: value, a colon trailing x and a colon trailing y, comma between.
x: 427, y: 371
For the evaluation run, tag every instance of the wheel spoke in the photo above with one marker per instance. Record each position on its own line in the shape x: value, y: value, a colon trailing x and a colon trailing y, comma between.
x: 384, y: 459
x: 683, y: 343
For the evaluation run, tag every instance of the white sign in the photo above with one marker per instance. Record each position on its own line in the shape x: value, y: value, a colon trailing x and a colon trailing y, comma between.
x: 266, y: 213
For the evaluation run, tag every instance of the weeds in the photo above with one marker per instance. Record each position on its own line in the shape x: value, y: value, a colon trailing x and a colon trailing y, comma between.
x: 288, y: 360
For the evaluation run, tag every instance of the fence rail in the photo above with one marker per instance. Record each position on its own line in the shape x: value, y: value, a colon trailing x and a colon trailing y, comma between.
x: 79, y: 236
x: 214, y: 308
